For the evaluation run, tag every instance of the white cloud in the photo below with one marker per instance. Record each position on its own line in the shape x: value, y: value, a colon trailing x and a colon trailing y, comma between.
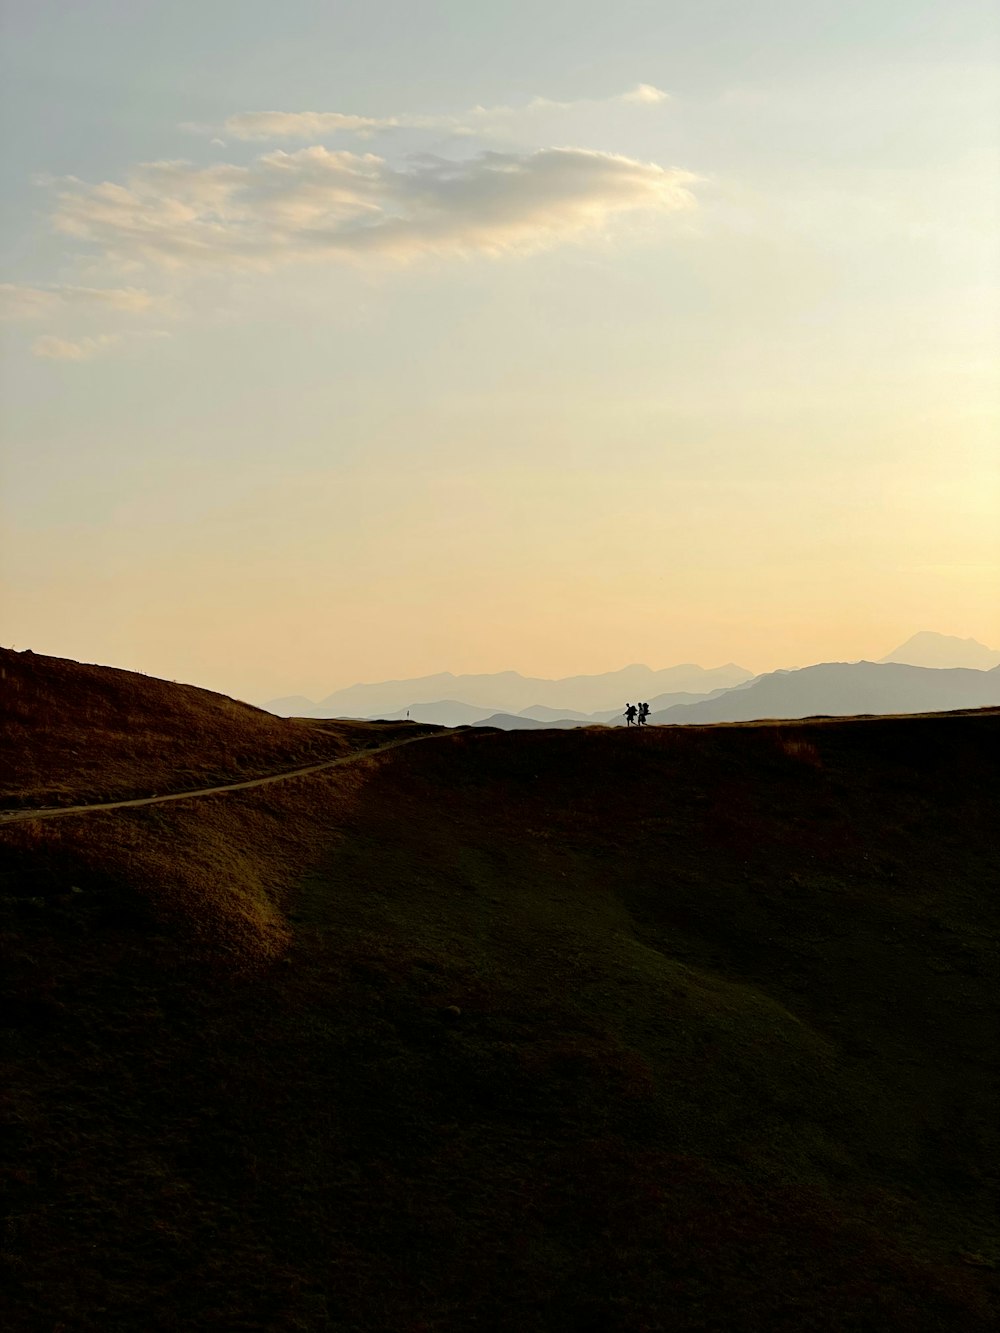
x: 318, y: 203
x: 23, y: 302
x: 646, y: 94
x: 315, y: 203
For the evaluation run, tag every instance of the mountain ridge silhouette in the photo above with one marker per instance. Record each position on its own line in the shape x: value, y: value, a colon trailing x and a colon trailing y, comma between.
x: 509, y: 691
x: 845, y: 689
x: 930, y: 649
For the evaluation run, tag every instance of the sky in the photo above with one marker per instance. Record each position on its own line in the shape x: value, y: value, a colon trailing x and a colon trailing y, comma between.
x: 355, y: 341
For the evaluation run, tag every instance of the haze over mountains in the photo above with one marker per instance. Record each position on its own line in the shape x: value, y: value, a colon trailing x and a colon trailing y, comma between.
x: 509, y: 691
x: 845, y: 689
x: 928, y: 673
x: 944, y: 650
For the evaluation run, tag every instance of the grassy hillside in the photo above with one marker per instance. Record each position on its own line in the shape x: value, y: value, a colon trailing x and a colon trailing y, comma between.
x: 73, y: 732
x: 593, y: 1030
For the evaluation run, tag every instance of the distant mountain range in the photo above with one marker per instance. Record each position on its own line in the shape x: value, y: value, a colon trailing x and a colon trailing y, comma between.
x: 950, y: 673
x: 510, y: 692
x: 455, y: 713
x: 844, y: 689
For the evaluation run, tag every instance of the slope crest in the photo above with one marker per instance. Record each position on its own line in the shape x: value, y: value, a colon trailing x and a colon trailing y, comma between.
x: 74, y: 731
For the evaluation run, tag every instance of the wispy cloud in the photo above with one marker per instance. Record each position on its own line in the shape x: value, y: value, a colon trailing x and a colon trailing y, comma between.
x: 23, y: 302
x: 318, y: 203
x: 52, y: 348
x: 303, y: 124
x: 318, y: 125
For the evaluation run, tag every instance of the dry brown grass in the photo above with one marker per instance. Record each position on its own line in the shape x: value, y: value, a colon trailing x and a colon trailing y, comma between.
x: 75, y: 733
x: 214, y: 872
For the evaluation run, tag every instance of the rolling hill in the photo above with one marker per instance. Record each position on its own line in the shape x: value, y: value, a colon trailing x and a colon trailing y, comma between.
x: 555, y: 1031
x: 70, y: 728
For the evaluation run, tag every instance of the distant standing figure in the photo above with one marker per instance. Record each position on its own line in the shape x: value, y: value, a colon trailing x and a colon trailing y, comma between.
x: 630, y: 712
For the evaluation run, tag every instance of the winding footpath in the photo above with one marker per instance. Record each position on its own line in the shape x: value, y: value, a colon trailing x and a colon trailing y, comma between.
x: 58, y: 811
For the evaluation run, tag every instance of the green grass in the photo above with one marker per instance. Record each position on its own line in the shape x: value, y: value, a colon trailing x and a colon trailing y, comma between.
x: 723, y: 1056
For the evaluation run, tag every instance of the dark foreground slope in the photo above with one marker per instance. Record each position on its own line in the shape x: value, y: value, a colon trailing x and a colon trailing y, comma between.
x: 594, y: 1030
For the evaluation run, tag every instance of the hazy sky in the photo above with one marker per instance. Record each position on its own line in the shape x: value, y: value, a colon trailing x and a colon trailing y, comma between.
x: 346, y: 341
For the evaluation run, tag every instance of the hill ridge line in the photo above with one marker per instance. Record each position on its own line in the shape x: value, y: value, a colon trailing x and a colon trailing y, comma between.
x: 54, y: 812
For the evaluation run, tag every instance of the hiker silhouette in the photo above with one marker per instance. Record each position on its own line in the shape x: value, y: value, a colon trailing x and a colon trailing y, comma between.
x: 643, y: 714
x: 629, y: 714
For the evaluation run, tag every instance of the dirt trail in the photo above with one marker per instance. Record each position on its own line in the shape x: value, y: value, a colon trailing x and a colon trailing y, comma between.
x: 56, y: 811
